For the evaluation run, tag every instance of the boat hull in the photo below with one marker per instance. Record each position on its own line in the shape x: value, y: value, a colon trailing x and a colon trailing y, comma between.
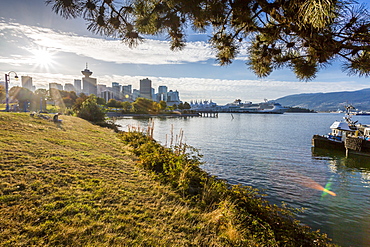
x: 326, y: 143
x: 354, y: 145
x: 357, y: 145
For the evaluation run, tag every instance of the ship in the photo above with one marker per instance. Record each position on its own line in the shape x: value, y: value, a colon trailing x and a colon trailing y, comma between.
x: 238, y: 106
x: 248, y: 107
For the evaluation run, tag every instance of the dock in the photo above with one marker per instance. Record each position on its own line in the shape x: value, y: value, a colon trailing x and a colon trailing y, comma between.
x: 208, y: 114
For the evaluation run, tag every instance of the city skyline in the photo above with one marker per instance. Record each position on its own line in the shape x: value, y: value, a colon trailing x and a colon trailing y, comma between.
x: 38, y: 43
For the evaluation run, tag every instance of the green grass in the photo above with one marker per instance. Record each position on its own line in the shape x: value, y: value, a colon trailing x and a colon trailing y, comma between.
x: 77, y: 184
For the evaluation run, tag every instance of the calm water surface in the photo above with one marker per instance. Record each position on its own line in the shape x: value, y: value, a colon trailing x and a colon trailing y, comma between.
x: 273, y: 153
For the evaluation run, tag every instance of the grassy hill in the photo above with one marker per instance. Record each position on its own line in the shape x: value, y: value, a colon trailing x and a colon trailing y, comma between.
x: 77, y: 184
x: 74, y: 184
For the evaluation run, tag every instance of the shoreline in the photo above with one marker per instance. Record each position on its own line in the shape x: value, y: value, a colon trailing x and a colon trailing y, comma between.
x: 123, y: 115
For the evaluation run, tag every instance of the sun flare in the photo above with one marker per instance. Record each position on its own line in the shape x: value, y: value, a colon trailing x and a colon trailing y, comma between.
x: 42, y: 58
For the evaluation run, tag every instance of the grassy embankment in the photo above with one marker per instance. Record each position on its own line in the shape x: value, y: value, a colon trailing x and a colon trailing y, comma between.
x: 77, y: 184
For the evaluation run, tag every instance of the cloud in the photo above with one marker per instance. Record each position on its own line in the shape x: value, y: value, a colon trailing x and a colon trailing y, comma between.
x: 21, y: 39
x: 151, y: 52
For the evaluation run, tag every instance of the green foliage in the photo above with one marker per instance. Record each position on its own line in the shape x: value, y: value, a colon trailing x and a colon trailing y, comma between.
x: 90, y: 110
x: 162, y: 105
x: 78, y: 104
x: 100, y: 101
x: 145, y: 106
x: 126, y: 106
x: 63, y: 99
x: 187, y: 106
x: 114, y: 103
x: 2, y: 92
x: 317, y: 31
x: 242, y: 213
x: 23, y: 95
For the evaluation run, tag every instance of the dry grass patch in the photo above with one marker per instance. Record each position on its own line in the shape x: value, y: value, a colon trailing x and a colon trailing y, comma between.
x: 75, y: 184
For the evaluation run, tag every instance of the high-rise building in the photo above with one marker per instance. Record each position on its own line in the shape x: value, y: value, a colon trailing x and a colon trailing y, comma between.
x: 102, y: 88
x: 173, y: 98
x: 54, y: 85
x: 77, y: 84
x: 106, y: 95
x: 154, y: 95
x: 135, y: 94
x: 89, y: 84
x: 162, y: 93
x: 27, y: 82
x: 127, y: 90
x: 116, y: 88
x: 146, y: 88
x: 69, y: 87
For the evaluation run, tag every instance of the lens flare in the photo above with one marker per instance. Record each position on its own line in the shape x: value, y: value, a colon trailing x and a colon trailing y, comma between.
x: 310, y: 183
x: 327, y: 189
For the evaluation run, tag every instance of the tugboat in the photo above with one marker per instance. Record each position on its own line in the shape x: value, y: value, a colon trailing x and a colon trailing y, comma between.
x: 340, y: 130
x: 345, y: 136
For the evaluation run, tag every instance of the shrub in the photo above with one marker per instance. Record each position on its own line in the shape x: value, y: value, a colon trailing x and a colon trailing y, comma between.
x: 90, y: 110
x: 238, y: 214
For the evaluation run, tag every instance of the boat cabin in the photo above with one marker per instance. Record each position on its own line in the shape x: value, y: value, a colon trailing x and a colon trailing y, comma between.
x: 367, y: 134
x: 339, y: 130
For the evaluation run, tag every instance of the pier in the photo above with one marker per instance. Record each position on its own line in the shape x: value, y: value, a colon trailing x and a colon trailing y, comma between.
x: 208, y: 114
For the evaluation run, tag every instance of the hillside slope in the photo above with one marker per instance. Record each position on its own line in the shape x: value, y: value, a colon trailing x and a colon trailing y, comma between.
x: 74, y: 184
x: 329, y: 101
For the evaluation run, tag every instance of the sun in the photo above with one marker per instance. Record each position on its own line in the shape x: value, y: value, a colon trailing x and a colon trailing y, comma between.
x: 42, y: 58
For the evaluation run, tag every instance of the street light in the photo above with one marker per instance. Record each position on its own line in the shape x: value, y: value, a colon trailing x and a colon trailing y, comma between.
x: 7, y: 81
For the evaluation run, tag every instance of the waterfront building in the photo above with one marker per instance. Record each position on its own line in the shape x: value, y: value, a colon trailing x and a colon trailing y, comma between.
x: 135, y: 94
x: 162, y: 93
x: 54, y: 85
x: 173, y: 98
x: 69, y: 87
x: 89, y: 84
x: 202, y: 105
x: 101, y: 88
x: 77, y: 84
x: 146, y: 88
x: 116, y: 89
x: 106, y: 95
x: 154, y: 95
x: 27, y: 82
x: 127, y: 90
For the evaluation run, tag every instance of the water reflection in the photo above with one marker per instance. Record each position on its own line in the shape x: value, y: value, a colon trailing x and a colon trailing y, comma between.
x: 350, y: 210
x: 339, y: 161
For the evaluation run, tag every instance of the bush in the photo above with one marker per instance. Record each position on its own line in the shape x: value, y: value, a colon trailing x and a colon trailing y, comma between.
x: 90, y: 110
x: 238, y: 214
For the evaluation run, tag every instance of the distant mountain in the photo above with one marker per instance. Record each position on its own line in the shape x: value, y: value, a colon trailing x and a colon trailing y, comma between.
x: 329, y: 101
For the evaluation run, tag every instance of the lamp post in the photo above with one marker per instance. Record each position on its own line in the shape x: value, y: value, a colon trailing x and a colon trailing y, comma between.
x: 7, y: 81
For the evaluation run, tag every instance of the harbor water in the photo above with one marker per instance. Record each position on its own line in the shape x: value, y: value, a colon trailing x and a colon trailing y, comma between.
x: 272, y: 152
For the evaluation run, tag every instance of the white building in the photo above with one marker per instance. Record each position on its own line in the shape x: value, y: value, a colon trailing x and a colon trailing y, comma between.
x: 173, y: 98
x: 135, y: 94
x: 162, y: 93
x: 106, y: 95
x: 89, y: 84
x: 55, y: 86
x: 27, y: 82
x: 77, y: 84
x: 69, y: 87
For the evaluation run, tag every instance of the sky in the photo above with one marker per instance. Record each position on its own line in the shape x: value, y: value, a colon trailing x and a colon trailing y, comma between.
x: 36, y: 42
